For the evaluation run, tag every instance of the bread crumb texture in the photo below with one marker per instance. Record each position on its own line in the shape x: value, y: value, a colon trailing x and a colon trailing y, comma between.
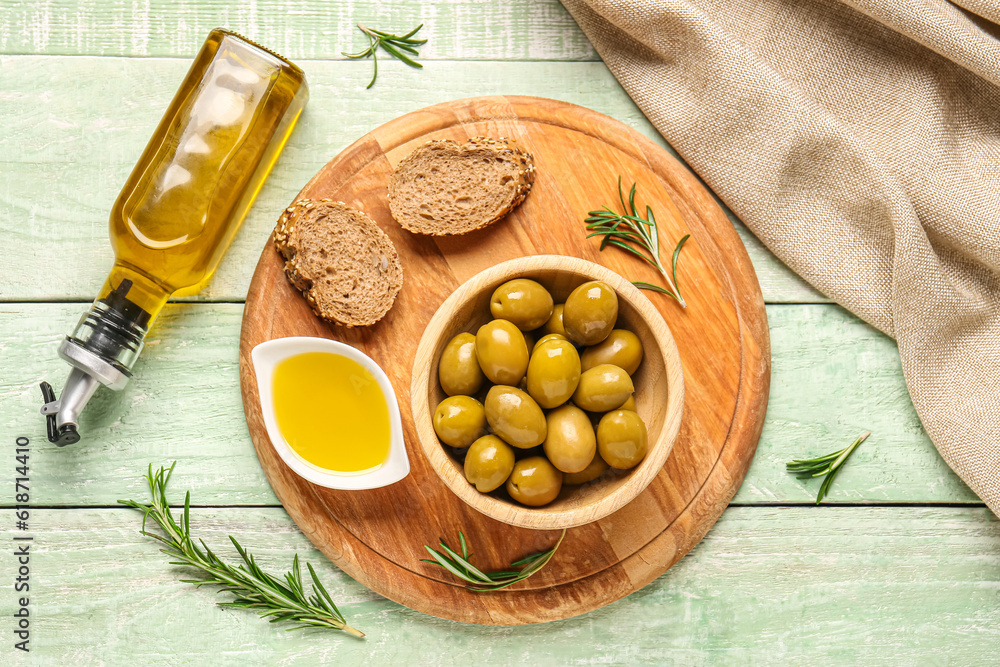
x: 342, y: 262
x: 446, y: 188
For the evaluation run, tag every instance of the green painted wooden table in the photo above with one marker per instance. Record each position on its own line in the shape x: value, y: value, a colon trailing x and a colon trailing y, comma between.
x: 900, y: 566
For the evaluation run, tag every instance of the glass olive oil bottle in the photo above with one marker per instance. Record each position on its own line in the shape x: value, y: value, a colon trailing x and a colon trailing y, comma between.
x: 180, y: 208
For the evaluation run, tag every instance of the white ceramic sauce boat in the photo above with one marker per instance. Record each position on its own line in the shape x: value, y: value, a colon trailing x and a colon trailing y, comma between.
x: 267, y: 355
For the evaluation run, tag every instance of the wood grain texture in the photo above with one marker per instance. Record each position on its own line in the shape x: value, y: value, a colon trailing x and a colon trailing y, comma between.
x: 721, y: 338
x: 77, y: 125
x: 800, y: 586
x: 832, y: 377
x: 457, y: 30
x: 659, y: 389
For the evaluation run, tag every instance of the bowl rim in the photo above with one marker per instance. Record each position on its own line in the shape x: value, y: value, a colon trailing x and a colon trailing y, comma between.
x: 523, y: 516
x: 266, y: 356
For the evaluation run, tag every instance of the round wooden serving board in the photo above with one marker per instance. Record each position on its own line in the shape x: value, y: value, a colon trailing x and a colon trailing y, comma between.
x: 378, y: 536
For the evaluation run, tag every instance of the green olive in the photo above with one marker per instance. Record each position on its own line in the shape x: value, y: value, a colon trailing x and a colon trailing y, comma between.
x: 459, y: 420
x: 589, y: 474
x: 555, y: 323
x: 488, y: 463
x: 546, y: 338
x: 621, y: 439
x: 553, y: 373
x: 502, y: 352
x: 621, y: 348
x: 521, y: 301
x: 629, y: 404
x: 590, y: 313
x: 570, y: 442
x: 603, y: 388
x: 515, y: 417
x: 534, y: 481
x: 458, y: 369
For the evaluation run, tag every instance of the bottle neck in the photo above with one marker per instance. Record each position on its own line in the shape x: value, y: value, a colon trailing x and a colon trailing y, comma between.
x: 103, y: 347
x: 109, y: 337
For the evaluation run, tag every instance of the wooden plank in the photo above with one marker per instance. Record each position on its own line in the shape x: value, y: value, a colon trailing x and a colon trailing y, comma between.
x: 75, y: 127
x: 457, y: 30
x: 767, y: 586
x: 832, y: 378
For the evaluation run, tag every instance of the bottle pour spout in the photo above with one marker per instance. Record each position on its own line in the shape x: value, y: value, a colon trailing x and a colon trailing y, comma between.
x: 62, y: 416
x: 101, y: 350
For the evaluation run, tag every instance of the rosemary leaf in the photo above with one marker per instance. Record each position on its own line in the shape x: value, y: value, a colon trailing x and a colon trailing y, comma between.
x: 467, y: 566
x: 251, y: 587
x: 485, y: 582
x: 677, y: 254
x: 651, y: 287
x: 465, y: 548
x: 394, y: 45
x: 638, y: 235
x: 828, y: 465
x: 623, y: 246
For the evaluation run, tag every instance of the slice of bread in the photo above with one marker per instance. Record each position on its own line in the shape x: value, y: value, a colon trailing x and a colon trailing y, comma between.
x: 346, y: 266
x: 446, y: 188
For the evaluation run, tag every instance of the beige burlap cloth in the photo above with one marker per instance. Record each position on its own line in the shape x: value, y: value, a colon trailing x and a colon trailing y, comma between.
x: 860, y: 141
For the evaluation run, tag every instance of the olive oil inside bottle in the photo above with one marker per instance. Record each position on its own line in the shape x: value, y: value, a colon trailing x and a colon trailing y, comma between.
x: 331, y: 412
x: 202, y: 169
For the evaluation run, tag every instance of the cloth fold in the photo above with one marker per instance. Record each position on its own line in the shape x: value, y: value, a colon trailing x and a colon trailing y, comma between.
x: 860, y: 141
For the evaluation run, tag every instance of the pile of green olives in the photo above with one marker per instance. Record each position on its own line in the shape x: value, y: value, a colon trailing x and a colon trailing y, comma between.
x: 541, y: 396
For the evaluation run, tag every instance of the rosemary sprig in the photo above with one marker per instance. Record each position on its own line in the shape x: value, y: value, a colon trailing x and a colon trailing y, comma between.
x: 638, y: 235
x: 485, y: 582
x: 828, y: 465
x: 396, y: 46
x: 252, y: 587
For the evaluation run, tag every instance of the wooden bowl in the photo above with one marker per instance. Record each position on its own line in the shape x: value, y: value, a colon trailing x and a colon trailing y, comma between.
x: 659, y: 390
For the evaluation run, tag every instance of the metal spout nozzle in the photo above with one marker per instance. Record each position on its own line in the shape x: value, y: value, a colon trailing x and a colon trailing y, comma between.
x: 62, y: 417
x: 89, y: 372
x: 101, y: 350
